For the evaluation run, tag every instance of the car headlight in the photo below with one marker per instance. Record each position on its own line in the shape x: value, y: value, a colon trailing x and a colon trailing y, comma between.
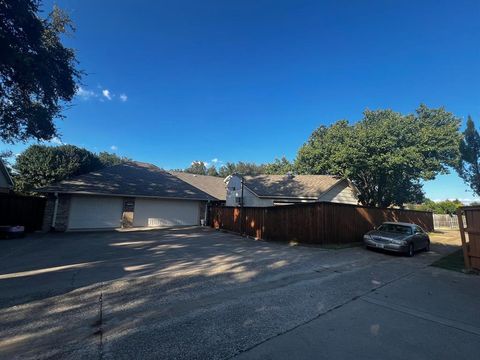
x: 399, y: 242
x: 367, y: 237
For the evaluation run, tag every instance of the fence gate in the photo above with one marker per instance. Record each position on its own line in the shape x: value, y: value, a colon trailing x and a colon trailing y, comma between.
x: 445, y: 221
x: 470, y: 233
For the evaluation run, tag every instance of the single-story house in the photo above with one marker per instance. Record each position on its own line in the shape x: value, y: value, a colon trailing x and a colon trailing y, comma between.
x: 6, y: 182
x: 131, y: 194
x: 271, y: 190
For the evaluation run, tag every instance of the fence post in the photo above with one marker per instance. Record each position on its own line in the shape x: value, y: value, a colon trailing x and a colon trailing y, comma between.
x: 466, y: 257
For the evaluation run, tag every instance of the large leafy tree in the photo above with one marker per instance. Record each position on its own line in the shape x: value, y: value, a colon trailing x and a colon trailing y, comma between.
x: 197, y: 167
x: 439, y: 207
x: 212, y: 171
x: 41, y: 165
x: 386, y: 155
x: 241, y: 167
x: 279, y: 167
x: 37, y: 73
x: 468, y: 166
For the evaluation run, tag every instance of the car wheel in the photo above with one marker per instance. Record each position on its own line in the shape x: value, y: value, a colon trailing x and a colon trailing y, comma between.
x: 411, y: 251
x: 427, y: 248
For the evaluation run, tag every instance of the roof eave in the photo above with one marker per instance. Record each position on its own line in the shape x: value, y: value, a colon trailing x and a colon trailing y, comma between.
x: 48, y: 191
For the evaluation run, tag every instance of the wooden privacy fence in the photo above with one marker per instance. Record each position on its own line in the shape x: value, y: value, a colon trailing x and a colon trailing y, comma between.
x: 22, y: 210
x: 446, y: 221
x: 470, y: 234
x: 314, y: 223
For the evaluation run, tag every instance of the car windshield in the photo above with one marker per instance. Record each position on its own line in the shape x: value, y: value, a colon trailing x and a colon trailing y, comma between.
x: 394, y: 228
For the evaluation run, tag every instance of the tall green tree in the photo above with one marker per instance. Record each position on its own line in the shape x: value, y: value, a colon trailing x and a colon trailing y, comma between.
x: 197, y: 167
x: 440, y: 207
x: 386, y: 155
x: 41, y: 165
x: 279, y: 167
x: 212, y: 171
x: 38, y: 74
x: 241, y: 167
x: 468, y: 166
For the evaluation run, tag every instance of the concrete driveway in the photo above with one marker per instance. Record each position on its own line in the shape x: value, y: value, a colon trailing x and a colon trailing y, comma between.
x: 201, y: 294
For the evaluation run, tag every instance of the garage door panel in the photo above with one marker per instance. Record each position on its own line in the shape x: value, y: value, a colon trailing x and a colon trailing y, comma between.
x: 165, y: 213
x: 95, y: 212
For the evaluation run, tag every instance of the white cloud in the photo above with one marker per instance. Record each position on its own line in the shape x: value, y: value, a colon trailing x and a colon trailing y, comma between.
x: 57, y: 141
x: 215, y: 160
x: 106, y: 93
x: 85, y: 94
x: 114, y: 148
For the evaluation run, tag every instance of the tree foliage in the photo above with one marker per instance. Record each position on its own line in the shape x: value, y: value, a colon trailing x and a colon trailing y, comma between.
x: 41, y: 165
x: 197, y: 167
x: 468, y: 166
x: 37, y: 73
x: 386, y: 154
x: 279, y: 167
x: 212, y: 171
x: 440, y: 207
x: 110, y: 159
x: 241, y: 167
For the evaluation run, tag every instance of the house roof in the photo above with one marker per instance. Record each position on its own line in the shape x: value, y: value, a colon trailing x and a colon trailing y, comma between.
x: 6, y: 174
x: 289, y: 186
x: 212, y: 185
x: 130, y: 179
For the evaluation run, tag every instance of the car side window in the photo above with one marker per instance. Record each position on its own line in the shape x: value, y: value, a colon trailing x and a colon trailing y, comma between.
x: 418, y: 230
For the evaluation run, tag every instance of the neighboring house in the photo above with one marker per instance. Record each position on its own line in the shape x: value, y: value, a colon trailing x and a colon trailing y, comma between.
x: 132, y: 194
x: 6, y: 183
x: 270, y: 190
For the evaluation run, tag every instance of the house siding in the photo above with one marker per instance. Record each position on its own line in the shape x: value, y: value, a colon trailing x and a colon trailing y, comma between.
x: 4, y: 183
x: 340, y: 193
x: 234, y: 190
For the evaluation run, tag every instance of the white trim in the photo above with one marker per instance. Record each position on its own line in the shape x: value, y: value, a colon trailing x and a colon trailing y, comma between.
x: 55, y: 209
x: 130, y: 196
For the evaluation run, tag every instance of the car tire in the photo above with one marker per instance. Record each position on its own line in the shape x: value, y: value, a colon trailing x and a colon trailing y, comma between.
x: 427, y: 248
x: 411, y: 251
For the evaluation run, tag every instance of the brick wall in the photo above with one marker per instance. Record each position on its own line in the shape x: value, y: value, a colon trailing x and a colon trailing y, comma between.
x: 63, y: 210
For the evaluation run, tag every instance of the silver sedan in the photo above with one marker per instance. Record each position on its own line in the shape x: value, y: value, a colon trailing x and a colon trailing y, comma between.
x: 398, y: 237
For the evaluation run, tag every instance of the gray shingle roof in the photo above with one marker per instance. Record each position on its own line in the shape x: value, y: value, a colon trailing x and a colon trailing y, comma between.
x: 130, y: 179
x: 284, y: 186
x: 212, y: 185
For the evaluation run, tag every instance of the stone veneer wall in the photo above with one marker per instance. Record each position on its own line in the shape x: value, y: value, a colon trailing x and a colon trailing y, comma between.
x: 63, y: 210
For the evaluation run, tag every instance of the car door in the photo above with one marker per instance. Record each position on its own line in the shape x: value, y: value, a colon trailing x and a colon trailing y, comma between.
x: 419, y: 238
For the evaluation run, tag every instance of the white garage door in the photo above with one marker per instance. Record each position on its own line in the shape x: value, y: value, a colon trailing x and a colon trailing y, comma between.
x: 95, y: 212
x: 164, y: 213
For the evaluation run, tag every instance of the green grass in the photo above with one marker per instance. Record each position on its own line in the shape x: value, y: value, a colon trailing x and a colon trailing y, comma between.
x: 452, y: 262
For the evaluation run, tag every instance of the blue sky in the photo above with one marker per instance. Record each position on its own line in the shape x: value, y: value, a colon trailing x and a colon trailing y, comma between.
x: 170, y: 82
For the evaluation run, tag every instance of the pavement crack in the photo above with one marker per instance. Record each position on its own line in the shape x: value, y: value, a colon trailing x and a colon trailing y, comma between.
x: 425, y: 316
x: 99, y: 326
x: 336, y: 307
